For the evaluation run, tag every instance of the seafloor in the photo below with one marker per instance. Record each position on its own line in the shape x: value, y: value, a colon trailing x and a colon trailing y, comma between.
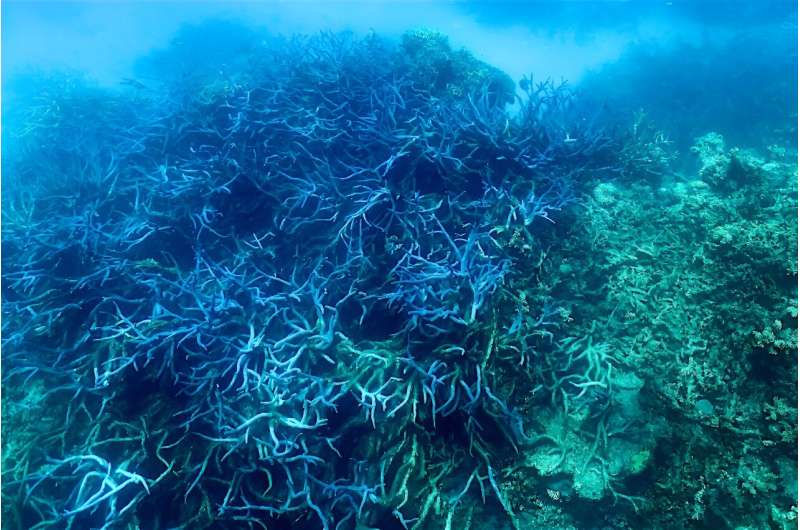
x: 350, y: 283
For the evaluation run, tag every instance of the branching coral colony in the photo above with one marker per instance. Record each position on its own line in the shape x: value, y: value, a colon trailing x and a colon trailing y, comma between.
x: 319, y: 293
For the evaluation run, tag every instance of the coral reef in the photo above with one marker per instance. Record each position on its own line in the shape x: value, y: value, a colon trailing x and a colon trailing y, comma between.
x: 695, y: 281
x: 346, y: 288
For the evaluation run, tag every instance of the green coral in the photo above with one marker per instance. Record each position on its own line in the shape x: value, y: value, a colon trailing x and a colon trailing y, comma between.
x: 734, y: 168
x: 640, y: 461
x: 692, y: 283
x: 434, y: 65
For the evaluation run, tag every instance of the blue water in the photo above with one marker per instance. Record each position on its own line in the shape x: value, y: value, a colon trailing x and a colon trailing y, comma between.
x: 350, y: 265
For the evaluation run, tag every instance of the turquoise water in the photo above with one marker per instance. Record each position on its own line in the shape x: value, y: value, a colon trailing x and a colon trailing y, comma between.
x: 399, y: 266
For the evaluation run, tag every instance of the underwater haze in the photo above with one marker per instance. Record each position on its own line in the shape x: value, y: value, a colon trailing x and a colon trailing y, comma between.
x: 399, y: 266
